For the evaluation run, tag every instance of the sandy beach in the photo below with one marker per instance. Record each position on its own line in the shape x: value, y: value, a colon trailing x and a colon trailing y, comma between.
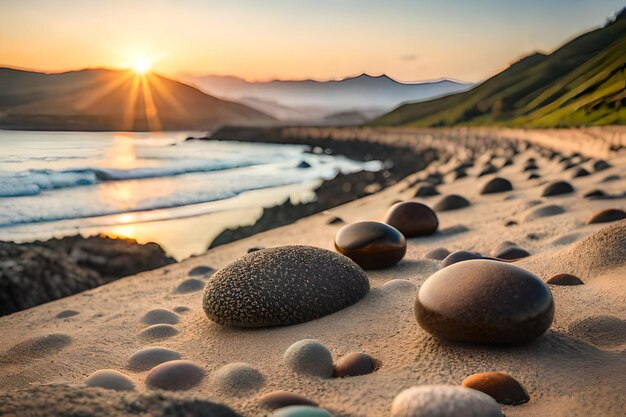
x: 576, y: 368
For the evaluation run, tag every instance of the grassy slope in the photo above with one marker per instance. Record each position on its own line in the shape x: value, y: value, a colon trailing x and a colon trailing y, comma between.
x: 581, y: 83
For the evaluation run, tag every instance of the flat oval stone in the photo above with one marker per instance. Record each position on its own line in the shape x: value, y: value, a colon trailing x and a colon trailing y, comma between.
x: 335, y: 220
x: 564, y: 279
x: 398, y: 284
x: 451, y: 202
x: 283, y: 285
x: 372, y: 245
x: 596, y: 194
x: 148, y: 358
x: 488, y: 169
x: 542, y: 211
x: 509, y: 251
x: 354, y: 364
x: 412, y: 219
x: 310, y: 357
x: 189, y: 285
x: 279, y: 399
x: 485, y: 301
x: 601, y: 165
x: 557, y: 188
x: 238, y: 378
x: 533, y: 176
x: 607, y: 216
x: 497, y: 185
x: 611, y: 178
x: 176, y: 375
x: 438, y: 254
x: 158, y: 331
x: 200, y: 270
x: 530, y: 167
x: 160, y: 316
x: 501, y: 387
x: 67, y: 313
x: 301, y: 411
x: 110, y: 379
x: 444, y: 401
x: 459, y: 256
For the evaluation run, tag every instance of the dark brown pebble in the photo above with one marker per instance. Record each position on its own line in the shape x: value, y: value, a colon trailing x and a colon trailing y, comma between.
x: 557, y: 188
x: 459, y: 256
x: 509, y: 251
x: 580, y: 172
x: 372, y: 245
x: 412, y: 219
x: 601, y: 165
x: 335, y: 220
x: 595, y: 194
x: 451, y: 202
x: 565, y: 279
x: 499, y: 386
x: 607, y: 216
x: 279, y: 399
x: 496, y: 185
x: 485, y: 301
x: 438, y: 254
x: 354, y: 364
x: 426, y: 190
x: 510, y: 223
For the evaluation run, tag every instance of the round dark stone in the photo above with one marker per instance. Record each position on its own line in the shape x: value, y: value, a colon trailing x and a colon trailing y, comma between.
x: 438, y: 254
x: 460, y: 174
x: 279, y: 399
x: 452, y: 202
x: 507, y: 162
x: 530, y: 167
x: 607, y: 216
x: 335, y: 220
x: 354, y: 364
x: 484, y: 301
x: 189, y: 285
x: 510, y: 223
x: 569, y: 165
x: 565, y: 279
x: 496, y: 185
x: 372, y: 245
x: 426, y: 190
x: 499, y: 386
x: 557, y: 188
x: 200, y: 271
x: 611, y: 178
x: 595, y: 194
x: 489, y: 169
x: 412, y: 219
x: 601, y: 165
x: 459, y: 256
x: 283, y: 285
x: 533, y: 175
x: 509, y: 251
x: 580, y: 172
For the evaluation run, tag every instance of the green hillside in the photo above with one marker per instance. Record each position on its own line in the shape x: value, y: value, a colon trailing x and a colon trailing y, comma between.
x: 581, y: 83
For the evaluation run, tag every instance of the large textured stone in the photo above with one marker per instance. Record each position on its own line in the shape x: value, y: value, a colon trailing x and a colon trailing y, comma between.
x: 372, y: 245
x: 283, y: 285
x: 485, y: 301
x: 444, y: 401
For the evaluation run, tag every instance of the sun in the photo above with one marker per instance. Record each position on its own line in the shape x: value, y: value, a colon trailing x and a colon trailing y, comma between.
x: 141, y: 65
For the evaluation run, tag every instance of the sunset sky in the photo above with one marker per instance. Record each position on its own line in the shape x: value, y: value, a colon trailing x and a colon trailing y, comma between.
x: 292, y: 39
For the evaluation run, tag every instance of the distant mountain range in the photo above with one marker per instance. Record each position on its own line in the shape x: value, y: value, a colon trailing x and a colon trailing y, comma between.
x: 581, y: 83
x: 310, y: 100
x: 101, y: 99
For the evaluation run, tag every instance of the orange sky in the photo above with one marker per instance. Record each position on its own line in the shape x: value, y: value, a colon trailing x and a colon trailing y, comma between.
x: 292, y: 39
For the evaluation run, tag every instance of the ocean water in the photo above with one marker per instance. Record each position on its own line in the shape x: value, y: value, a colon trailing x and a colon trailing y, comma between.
x: 148, y: 186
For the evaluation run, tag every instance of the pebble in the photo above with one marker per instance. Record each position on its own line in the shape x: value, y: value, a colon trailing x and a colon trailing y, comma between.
x: 444, y: 401
x: 158, y: 331
x: 398, y: 284
x: 110, y: 379
x: 438, y: 254
x: 178, y: 375
x: 530, y: 167
x: 451, y: 202
x: 496, y: 185
x: 564, y: 279
x: 310, y: 357
x: 580, y: 172
x: 200, y: 270
x: 148, y: 358
x: 501, y: 387
x: 354, y: 364
x: 543, y: 211
x: 238, y: 378
x: 335, y: 220
x: 459, y: 256
x: 611, y: 178
x: 67, y: 313
x: 160, y: 316
x: 557, y: 188
x: 279, y: 399
x: 301, y: 411
x: 283, y: 285
x: 485, y: 301
x: 607, y: 216
x: 533, y: 176
x: 595, y: 194
x: 426, y: 190
x: 509, y: 251
x: 601, y: 165
x: 488, y: 169
x: 412, y: 219
x: 181, y: 309
x: 372, y: 245
x: 189, y: 285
